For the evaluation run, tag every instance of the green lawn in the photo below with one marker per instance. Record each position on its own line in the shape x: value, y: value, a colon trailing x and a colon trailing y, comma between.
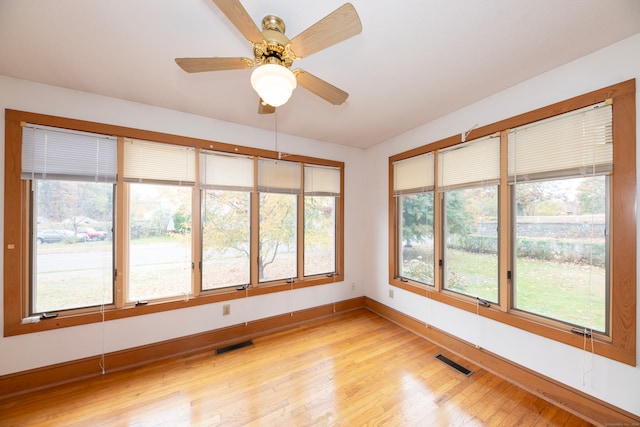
x: 569, y: 292
x: 572, y: 293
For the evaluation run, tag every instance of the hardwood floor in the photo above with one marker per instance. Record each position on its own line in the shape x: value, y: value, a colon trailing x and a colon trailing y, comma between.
x: 354, y: 369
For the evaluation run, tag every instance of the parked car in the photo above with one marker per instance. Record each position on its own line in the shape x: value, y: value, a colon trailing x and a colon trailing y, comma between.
x: 93, y: 234
x: 56, y: 236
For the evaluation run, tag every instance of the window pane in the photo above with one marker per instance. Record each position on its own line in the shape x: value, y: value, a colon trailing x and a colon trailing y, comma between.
x: 72, y: 261
x: 471, y: 242
x: 561, y: 263
x: 319, y: 235
x: 277, y: 253
x: 159, y: 241
x: 415, y: 229
x: 225, y: 238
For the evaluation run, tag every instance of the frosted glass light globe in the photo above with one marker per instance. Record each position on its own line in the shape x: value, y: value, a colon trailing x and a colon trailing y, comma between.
x: 274, y: 83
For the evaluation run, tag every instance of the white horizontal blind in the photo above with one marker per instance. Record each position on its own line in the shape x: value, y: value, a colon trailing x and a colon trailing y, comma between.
x: 158, y: 163
x: 413, y: 175
x: 472, y: 164
x: 278, y: 176
x: 321, y: 181
x: 225, y: 172
x: 53, y: 153
x: 570, y: 145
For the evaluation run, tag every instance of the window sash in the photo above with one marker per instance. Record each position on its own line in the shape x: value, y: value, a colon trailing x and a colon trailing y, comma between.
x: 171, y: 274
x: 310, y: 267
x: 217, y: 270
x: 472, y: 164
x: 60, y: 154
x: 425, y: 265
x: 158, y: 163
x: 486, y: 245
x: 594, y: 229
x: 414, y: 175
x: 96, y: 271
x: 277, y: 230
x: 577, y: 143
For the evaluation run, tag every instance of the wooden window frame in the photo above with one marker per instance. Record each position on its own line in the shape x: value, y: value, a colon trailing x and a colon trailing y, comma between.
x: 16, y: 212
x: 620, y: 344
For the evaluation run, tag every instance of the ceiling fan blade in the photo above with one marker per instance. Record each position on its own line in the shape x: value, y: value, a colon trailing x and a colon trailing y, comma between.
x: 199, y: 65
x: 337, y: 26
x: 264, y: 108
x: 324, y: 90
x: 237, y: 14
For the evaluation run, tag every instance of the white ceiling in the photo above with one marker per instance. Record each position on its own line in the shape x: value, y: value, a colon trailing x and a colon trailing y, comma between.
x: 415, y: 60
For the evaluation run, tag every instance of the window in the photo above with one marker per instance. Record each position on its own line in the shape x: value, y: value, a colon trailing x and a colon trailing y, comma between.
x: 71, y: 179
x: 226, y: 183
x: 72, y: 260
x: 559, y: 170
x: 413, y: 190
x: 279, y: 187
x: 535, y: 216
x: 160, y: 181
x: 159, y: 241
x: 468, y: 181
x: 142, y: 222
x: 321, y: 188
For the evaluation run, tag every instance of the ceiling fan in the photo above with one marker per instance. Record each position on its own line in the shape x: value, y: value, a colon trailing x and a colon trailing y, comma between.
x: 274, y: 54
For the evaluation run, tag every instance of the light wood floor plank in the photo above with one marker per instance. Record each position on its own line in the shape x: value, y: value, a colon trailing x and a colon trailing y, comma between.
x: 356, y: 369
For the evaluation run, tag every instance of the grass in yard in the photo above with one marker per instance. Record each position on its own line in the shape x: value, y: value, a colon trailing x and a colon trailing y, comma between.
x: 569, y: 292
x: 572, y: 293
x: 473, y: 274
x: 72, y: 289
x: 158, y: 269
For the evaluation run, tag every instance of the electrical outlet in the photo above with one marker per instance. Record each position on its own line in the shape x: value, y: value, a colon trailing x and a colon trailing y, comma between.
x: 226, y: 309
x: 390, y: 293
x: 353, y: 286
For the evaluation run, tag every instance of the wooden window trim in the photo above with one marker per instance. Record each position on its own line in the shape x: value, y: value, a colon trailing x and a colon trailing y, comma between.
x: 620, y: 345
x: 15, y: 228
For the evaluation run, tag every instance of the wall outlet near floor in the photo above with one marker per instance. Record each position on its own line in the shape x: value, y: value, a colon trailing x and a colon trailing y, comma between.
x: 390, y: 293
x: 226, y: 309
x: 353, y: 286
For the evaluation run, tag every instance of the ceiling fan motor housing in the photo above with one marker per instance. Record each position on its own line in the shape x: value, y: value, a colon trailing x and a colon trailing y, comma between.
x: 274, y: 49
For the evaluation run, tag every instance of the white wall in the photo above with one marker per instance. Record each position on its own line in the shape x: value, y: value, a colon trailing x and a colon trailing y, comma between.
x: 611, y: 381
x: 30, y: 351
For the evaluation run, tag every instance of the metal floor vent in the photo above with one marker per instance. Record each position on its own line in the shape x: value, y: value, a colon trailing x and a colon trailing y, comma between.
x: 454, y: 365
x: 232, y: 347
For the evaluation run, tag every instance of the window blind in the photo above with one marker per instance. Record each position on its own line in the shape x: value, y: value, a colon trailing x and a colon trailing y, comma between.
x: 158, y: 163
x: 569, y: 145
x: 225, y: 172
x: 53, y: 153
x: 472, y: 164
x: 413, y: 175
x: 321, y: 181
x: 278, y: 176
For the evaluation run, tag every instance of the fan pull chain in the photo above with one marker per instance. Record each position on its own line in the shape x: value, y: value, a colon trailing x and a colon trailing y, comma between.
x: 275, y: 117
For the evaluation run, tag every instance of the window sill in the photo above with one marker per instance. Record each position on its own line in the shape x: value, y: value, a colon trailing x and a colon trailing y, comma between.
x: 16, y: 327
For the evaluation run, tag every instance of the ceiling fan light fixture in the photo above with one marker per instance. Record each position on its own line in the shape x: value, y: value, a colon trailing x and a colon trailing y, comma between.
x: 274, y: 83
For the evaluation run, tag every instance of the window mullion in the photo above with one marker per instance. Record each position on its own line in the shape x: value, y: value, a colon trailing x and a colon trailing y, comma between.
x: 255, y: 227
x: 300, y: 226
x: 504, y: 228
x: 196, y: 231
x: 340, y: 227
x: 120, y: 227
x: 437, y: 228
